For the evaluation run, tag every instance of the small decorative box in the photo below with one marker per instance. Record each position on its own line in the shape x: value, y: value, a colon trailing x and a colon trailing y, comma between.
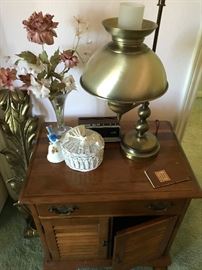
x: 82, y: 148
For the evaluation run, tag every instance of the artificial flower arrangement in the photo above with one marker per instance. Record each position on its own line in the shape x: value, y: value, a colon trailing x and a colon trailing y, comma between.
x: 42, y: 75
x: 46, y: 80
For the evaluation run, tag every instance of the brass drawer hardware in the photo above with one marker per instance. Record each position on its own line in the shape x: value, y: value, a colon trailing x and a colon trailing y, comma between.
x: 63, y: 209
x: 160, y: 206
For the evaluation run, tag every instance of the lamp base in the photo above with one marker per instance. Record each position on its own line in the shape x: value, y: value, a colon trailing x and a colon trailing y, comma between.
x: 139, y: 147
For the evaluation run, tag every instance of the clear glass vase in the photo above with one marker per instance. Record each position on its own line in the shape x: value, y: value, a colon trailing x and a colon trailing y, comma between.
x: 58, y: 103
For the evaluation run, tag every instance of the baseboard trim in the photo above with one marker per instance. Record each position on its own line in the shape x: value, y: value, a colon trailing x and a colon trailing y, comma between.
x: 193, y: 84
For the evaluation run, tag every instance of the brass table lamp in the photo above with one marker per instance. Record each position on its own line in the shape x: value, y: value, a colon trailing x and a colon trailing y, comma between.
x: 127, y: 73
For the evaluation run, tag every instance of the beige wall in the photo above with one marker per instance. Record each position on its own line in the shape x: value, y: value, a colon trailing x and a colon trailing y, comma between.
x: 177, y: 41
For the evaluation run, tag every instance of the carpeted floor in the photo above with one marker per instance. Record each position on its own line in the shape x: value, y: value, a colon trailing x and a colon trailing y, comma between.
x: 17, y: 253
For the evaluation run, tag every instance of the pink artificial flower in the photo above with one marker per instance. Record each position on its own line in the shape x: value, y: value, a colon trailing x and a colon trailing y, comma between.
x: 7, y: 76
x: 69, y: 58
x: 40, y: 28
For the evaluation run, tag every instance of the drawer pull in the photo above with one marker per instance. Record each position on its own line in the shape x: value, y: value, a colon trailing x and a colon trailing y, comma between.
x: 63, y: 210
x: 160, y: 206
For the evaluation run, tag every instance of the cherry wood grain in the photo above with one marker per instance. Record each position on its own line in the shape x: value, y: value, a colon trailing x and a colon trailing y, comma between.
x: 160, y: 268
x: 113, y: 208
x: 49, y: 181
x: 76, y: 238
x: 126, y: 208
x: 146, y: 241
x: 75, y: 265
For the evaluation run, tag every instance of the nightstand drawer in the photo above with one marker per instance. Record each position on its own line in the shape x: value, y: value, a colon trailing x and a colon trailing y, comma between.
x: 124, y: 208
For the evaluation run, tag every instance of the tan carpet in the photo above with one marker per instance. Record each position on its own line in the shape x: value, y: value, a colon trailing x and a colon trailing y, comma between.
x: 187, y: 247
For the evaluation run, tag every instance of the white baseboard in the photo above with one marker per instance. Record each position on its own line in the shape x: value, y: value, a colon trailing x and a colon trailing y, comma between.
x: 193, y: 88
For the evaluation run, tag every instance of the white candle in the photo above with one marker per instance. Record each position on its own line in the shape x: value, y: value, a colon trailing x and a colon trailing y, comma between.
x: 130, y: 16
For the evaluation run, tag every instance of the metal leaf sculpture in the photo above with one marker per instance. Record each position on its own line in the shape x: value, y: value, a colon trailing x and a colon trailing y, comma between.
x: 19, y: 131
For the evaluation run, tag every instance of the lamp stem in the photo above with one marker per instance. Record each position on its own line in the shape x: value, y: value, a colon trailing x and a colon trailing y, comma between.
x: 144, y: 111
x: 142, y: 126
x: 161, y: 4
x: 140, y: 143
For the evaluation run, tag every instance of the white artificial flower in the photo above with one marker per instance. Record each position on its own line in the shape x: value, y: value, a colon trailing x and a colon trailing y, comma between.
x: 44, y: 92
x: 35, y: 69
x: 69, y: 83
x: 46, y: 82
x: 26, y: 68
x: 81, y: 26
x: 39, y: 90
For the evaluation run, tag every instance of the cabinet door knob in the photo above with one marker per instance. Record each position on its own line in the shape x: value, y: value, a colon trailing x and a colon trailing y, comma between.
x: 63, y: 209
x: 105, y: 243
x: 160, y: 206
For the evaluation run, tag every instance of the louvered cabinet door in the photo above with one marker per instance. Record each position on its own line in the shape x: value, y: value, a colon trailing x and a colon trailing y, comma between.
x: 142, y: 243
x: 76, y: 238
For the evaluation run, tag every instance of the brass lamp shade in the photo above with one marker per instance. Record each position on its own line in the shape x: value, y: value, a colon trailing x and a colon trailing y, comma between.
x: 127, y: 73
x: 125, y: 70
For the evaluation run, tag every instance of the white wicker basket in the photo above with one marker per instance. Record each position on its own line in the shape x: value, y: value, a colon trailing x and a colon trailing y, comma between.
x: 82, y: 149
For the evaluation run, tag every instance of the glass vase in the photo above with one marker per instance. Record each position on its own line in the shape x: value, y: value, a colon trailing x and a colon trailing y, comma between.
x: 58, y: 103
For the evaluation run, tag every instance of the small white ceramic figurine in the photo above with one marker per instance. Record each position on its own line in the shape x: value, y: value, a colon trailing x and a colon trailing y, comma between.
x: 54, y: 150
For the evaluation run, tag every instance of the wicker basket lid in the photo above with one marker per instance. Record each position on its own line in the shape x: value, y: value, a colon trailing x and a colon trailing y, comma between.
x: 82, y: 141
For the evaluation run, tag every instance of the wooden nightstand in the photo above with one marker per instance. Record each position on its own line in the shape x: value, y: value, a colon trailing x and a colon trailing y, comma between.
x: 109, y: 216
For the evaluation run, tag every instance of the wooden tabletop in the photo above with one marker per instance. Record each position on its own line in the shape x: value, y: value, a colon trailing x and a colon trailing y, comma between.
x: 117, y: 178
